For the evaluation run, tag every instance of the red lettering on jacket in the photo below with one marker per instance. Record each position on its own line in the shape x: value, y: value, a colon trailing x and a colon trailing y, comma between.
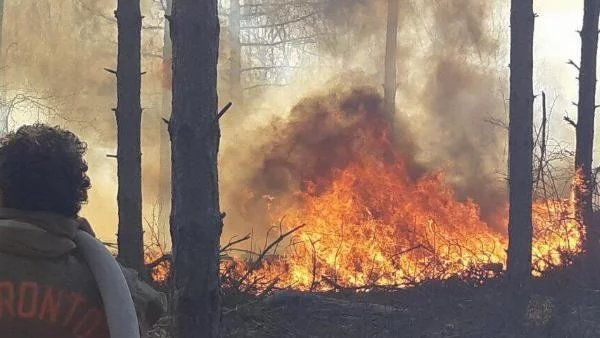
x: 28, y: 300
x: 50, y: 306
x: 76, y: 300
x: 7, y: 299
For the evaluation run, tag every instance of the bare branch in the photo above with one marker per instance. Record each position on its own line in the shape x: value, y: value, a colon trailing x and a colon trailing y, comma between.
x: 223, y: 111
x: 162, y: 259
x: 279, y: 24
x: 572, y: 63
x: 268, y: 68
x: 570, y: 121
x: 232, y: 243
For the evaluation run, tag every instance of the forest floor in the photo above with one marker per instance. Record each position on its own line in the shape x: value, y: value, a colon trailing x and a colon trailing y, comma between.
x: 452, y: 308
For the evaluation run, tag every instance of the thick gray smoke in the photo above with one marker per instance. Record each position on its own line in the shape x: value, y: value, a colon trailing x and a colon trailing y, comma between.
x: 450, y: 94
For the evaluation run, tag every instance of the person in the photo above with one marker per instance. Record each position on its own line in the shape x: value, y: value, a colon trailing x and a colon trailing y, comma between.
x: 46, y: 288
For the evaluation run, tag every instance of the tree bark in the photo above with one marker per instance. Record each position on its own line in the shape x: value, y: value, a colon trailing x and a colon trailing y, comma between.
x: 129, y: 117
x: 235, y: 74
x: 520, y: 137
x: 389, y: 90
x: 585, y: 133
x: 196, y: 220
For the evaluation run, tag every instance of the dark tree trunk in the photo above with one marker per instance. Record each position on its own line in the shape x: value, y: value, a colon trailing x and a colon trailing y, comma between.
x: 164, y: 198
x: 129, y: 118
x: 389, y: 88
x: 520, y: 144
x: 235, y: 75
x: 196, y: 221
x: 585, y: 132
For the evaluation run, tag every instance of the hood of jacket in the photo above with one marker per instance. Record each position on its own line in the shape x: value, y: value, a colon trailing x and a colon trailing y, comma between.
x: 36, y: 234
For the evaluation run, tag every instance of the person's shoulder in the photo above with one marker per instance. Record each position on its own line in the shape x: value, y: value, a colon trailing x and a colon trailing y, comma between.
x: 68, y: 271
x: 50, y: 293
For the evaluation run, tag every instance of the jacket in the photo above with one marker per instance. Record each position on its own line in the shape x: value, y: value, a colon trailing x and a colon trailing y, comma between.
x: 46, y: 289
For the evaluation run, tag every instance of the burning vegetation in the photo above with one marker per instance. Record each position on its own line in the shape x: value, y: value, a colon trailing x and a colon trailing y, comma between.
x: 365, y: 214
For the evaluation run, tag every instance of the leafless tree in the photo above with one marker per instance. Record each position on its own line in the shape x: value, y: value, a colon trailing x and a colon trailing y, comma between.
x: 235, y: 57
x: 268, y: 40
x: 129, y: 117
x: 196, y: 220
x: 4, y: 109
x: 520, y: 227
x: 586, y: 108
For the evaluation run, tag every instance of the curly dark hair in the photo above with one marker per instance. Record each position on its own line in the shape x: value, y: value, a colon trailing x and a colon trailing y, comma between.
x: 42, y: 169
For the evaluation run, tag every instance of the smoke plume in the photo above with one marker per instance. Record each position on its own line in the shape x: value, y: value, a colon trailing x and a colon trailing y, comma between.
x: 450, y: 90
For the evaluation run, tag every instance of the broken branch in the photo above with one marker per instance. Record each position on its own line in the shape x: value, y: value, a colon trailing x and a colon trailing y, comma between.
x: 570, y: 121
x: 572, y: 63
x: 223, y: 111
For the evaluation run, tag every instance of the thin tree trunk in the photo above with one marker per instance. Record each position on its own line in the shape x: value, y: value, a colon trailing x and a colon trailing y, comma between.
x: 585, y: 132
x: 196, y: 220
x: 520, y: 229
x: 129, y: 117
x: 389, y: 95
x: 4, y: 108
x: 164, y: 198
x: 235, y: 75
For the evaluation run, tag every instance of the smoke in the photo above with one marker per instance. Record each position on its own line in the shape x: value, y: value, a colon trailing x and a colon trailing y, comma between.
x: 54, y: 54
x: 451, y: 78
x: 449, y: 84
x: 324, y: 134
x: 461, y: 95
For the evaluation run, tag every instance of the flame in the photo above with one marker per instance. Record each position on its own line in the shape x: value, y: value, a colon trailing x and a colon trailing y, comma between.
x: 161, y: 272
x: 373, y: 227
x: 373, y: 217
x: 369, y: 224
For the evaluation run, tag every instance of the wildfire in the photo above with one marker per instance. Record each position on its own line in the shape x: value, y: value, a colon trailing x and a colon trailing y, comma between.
x: 369, y: 222
x: 373, y: 227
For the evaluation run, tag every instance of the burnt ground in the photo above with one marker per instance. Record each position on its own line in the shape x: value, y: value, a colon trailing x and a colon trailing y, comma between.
x: 556, y: 308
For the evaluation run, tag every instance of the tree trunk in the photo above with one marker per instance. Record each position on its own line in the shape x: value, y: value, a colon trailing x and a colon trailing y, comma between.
x: 235, y: 75
x: 164, y: 193
x: 520, y: 138
x: 129, y: 118
x: 585, y: 133
x: 196, y: 221
x: 4, y: 108
x: 389, y: 89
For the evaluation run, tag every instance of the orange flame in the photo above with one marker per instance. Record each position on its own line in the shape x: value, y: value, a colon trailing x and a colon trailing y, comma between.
x: 159, y: 273
x: 370, y: 225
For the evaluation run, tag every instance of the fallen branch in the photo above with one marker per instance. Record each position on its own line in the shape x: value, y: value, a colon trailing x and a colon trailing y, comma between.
x: 162, y: 259
x: 232, y: 243
x: 262, y: 255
